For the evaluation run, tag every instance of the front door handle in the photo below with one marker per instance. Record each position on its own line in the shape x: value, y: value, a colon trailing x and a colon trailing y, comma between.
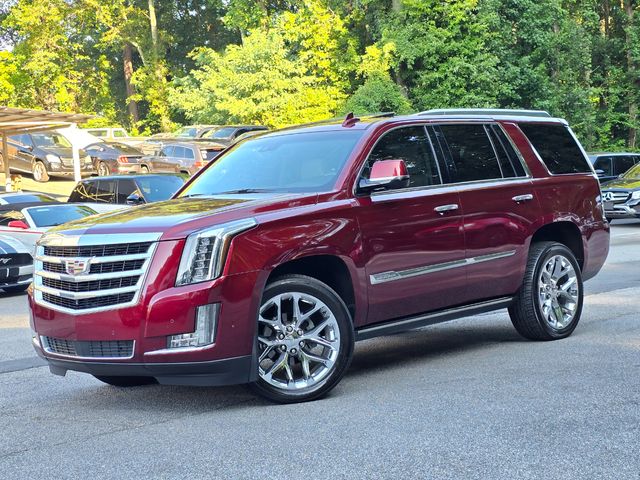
x: 446, y: 208
x: 522, y: 198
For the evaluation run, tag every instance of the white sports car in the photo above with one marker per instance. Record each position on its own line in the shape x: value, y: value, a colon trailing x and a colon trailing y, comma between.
x: 16, y: 265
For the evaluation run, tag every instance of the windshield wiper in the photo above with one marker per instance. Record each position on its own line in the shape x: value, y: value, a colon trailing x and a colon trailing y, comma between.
x: 244, y: 190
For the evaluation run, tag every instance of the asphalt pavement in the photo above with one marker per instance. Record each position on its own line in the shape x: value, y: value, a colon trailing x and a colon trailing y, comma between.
x: 468, y: 399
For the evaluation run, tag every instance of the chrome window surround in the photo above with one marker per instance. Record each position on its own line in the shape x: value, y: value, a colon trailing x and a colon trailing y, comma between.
x: 79, y: 240
x: 392, y: 276
x: 527, y: 176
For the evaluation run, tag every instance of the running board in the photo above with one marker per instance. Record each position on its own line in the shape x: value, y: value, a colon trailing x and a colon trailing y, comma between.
x: 411, y: 323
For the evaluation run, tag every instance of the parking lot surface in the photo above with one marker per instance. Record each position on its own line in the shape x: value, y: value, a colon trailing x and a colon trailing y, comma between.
x: 466, y: 399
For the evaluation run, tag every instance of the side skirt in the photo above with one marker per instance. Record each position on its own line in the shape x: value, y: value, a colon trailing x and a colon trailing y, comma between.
x: 424, y: 320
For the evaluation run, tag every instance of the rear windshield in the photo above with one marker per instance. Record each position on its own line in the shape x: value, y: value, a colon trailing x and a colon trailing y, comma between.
x: 52, y: 216
x: 297, y: 162
x: 210, y: 154
x: 557, y: 148
x: 156, y: 189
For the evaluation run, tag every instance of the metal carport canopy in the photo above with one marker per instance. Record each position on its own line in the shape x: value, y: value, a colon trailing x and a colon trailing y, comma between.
x: 14, y: 121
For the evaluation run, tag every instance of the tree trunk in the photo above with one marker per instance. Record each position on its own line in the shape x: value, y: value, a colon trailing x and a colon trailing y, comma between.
x: 632, y: 74
x: 132, y: 105
x: 153, y: 22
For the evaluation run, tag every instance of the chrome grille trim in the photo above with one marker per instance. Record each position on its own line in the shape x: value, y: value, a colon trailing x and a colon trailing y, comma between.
x: 90, y: 292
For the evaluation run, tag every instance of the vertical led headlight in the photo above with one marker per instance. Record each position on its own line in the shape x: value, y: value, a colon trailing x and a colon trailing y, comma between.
x: 205, y: 252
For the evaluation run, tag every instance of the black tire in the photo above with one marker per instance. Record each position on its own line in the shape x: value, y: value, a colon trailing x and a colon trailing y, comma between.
x: 126, y: 381
x: 144, y: 170
x: 311, y: 286
x: 103, y: 169
x: 39, y: 171
x: 526, y: 311
x: 17, y: 289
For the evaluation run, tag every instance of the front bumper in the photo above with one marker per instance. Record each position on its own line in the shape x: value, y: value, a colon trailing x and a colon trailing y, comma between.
x: 123, y: 168
x: 162, y: 310
x: 16, y: 276
x: 622, y: 211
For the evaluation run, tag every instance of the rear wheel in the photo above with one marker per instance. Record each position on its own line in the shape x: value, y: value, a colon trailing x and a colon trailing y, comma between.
x: 126, y: 381
x: 144, y: 169
x: 305, y: 340
x: 39, y: 171
x: 17, y: 289
x: 549, y: 303
x: 103, y: 169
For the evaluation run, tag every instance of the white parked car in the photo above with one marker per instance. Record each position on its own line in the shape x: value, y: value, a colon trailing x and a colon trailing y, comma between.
x: 16, y: 265
x: 27, y: 222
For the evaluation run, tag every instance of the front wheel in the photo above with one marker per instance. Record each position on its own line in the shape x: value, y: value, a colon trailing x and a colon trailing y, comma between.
x: 305, y: 340
x: 126, y: 381
x: 549, y: 303
x: 39, y: 171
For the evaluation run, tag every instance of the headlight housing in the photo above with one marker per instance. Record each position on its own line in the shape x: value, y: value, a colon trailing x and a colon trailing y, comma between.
x: 205, y: 251
x: 635, y: 195
x: 52, y: 158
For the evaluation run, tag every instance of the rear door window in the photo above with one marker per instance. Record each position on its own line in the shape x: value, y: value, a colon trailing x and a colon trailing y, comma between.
x: 624, y: 163
x: 412, y: 145
x: 106, y: 191
x: 605, y: 164
x: 167, y: 151
x: 468, y: 153
x: 125, y: 188
x: 557, y: 148
x: 84, y: 192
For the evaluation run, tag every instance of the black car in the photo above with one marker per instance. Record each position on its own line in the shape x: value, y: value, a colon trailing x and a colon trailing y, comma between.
x: 47, y: 154
x: 228, y: 134
x: 126, y: 189
x: 611, y: 165
x: 16, y: 265
x: 621, y: 197
x: 110, y: 158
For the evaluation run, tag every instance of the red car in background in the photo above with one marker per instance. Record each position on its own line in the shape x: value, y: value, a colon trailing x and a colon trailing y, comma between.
x: 270, y: 263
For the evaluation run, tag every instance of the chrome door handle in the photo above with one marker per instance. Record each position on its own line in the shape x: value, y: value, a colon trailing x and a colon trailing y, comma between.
x: 446, y: 208
x: 522, y: 198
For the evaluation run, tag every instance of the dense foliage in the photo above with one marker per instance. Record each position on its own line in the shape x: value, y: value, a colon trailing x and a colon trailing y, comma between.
x: 152, y: 65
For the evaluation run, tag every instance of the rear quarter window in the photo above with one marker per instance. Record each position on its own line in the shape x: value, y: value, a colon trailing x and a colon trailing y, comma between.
x: 557, y: 148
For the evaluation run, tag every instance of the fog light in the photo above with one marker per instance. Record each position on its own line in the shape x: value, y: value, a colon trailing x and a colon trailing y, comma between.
x: 205, y: 333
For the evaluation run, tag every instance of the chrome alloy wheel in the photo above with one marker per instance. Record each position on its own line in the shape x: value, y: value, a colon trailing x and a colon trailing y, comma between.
x: 558, y: 292
x: 298, y: 339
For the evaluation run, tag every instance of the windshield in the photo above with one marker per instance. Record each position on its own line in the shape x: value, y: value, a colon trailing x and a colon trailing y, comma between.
x: 633, y: 172
x: 124, y: 148
x: 50, y: 140
x: 299, y: 162
x: 52, y: 216
x: 186, y: 132
x: 155, y: 189
x: 220, y: 133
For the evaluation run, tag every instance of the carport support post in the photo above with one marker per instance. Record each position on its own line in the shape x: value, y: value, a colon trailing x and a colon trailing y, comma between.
x: 76, y: 162
x: 5, y: 161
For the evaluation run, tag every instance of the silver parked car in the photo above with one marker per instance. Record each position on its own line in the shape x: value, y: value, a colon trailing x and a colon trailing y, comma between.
x: 181, y: 157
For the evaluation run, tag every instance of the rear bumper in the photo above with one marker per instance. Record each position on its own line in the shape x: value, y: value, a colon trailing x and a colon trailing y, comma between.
x: 16, y: 276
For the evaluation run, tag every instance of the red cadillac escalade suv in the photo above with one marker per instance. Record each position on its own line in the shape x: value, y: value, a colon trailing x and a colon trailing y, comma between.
x: 270, y: 263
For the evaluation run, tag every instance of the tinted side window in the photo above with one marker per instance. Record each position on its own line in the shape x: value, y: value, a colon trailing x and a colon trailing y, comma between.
x: 557, y: 148
x: 84, y: 192
x: 510, y: 162
x: 471, y: 155
x: 188, y: 153
x: 106, y: 191
x: 411, y: 145
x: 605, y: 164
x: 125, y: 188
x: 624, y: 163
x: 167, y: 151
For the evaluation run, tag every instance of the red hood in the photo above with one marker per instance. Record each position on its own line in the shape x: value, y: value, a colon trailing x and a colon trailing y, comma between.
x: 175, y: 219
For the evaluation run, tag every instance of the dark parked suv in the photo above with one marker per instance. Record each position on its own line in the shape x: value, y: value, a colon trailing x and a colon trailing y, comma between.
x: 269, y: 263
x: 609, y: 166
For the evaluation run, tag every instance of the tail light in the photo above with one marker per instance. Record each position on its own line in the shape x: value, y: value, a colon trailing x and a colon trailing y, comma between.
x: 198, y: 164
x: 123, y: 159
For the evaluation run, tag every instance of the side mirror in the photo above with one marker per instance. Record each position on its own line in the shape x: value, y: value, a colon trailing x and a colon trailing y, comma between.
x: 18, y: 224
x: 135, y: 199
x: 600, y: 173
x: 386, y: 175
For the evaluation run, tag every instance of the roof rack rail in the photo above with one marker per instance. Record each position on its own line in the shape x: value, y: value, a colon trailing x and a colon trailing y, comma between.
x: 487, y: 111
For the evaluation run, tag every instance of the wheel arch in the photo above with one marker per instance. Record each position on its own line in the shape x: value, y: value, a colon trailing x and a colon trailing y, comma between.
x: 564, y: 232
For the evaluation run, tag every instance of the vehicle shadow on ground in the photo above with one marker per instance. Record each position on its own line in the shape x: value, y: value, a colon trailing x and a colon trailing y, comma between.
x: 421, y: 346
